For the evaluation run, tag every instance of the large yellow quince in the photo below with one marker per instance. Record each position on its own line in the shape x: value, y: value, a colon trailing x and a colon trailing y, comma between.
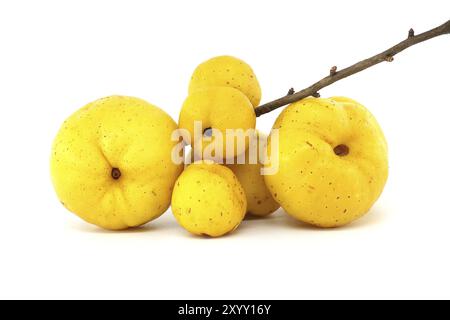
x: 208, y: 199
x: 111, y: 162
x: 227, y: 71
x: 333, y: 161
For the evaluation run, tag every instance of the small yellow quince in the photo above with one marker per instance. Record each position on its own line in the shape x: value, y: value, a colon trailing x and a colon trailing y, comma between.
x: 259, y: 199
x: 111, y: 162
x: 333, y: 161
x: 217, y: 110
x: 229, y: 72
x: 208, y: 199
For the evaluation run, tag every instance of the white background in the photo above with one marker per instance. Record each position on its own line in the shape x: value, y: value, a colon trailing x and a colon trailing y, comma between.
x: 56, y: 56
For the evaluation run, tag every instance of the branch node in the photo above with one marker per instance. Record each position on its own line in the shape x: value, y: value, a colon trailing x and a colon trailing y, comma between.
x: 333, y: 70
x: 389, y: 58
x: 411, y: 33
x: 291, y: 92
x: 316, y: 95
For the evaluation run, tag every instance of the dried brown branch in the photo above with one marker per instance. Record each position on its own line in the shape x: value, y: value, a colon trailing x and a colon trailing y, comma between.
x: 335, y: 75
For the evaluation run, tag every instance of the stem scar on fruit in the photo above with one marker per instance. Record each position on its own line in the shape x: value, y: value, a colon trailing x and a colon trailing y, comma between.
x: 341, y: 150
x: 207, y: 132
x: 336, y: 75
x: 115, y: 173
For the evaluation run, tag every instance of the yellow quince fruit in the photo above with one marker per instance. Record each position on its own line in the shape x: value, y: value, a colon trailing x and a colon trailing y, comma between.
x: 208, y: 199
x: 333, y: 161
x: 111, y: 162
x: 227, y: 71
x: 207, y: 116
x: 259, y: 199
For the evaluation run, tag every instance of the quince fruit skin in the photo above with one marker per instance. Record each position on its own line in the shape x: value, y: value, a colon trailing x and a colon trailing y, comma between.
x: 111, y: 162
x: 259, y: 199
x: 333, y: 161
x: 218, y: 108
x: 227, y: 71
x: 208, y: 199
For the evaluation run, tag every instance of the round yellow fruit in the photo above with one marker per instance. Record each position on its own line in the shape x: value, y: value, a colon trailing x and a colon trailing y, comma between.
x: 208, y: 199
x: 259, y: 199
x: 333, y: 161
x: 217, y: 109
x: 229, y: 72
x: 111, y: 162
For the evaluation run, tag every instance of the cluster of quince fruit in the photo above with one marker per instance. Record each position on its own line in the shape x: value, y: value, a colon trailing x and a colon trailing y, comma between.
x: 113, y: 164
